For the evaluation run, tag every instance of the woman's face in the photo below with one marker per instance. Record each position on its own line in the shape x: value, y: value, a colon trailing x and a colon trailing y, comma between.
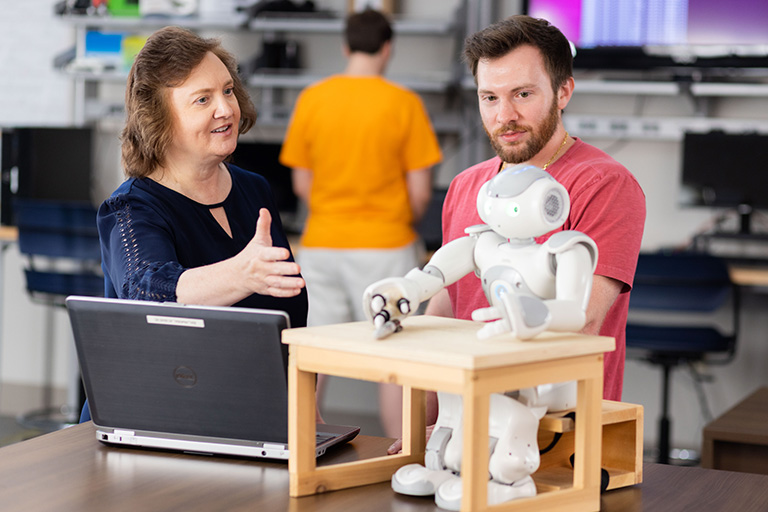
x: 206, y: 115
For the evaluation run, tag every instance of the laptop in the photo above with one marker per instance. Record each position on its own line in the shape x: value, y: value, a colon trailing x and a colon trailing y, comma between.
x: 200, y: 379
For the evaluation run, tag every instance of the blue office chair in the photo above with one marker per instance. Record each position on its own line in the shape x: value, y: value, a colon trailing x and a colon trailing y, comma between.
x: 668, y: 284
x: 60, y: 245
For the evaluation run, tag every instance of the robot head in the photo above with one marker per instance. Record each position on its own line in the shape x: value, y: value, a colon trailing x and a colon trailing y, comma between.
x: 523, y: 202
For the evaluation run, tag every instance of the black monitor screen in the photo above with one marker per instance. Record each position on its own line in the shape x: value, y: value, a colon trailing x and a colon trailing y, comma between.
x: 726, y: 169
x: 45, y: 163
x: 263, y: 158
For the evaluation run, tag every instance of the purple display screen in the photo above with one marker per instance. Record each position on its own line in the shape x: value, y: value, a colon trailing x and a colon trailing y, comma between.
x: 600, y: 23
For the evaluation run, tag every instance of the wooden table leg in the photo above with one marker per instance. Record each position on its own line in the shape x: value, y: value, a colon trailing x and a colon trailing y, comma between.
x: 302, y: 404
x: 414, y: 421
x: 474, y: 465
x: 588, y: 435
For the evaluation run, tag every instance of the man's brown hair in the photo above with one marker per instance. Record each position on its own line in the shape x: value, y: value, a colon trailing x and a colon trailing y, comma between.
x: 367, y: 31
x: 502, y: 37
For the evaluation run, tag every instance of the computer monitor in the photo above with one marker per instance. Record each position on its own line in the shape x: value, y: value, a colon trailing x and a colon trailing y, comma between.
x: 726, y: 170
x: 652, y: 34
x: 263, y: 158
x: 44, y: 163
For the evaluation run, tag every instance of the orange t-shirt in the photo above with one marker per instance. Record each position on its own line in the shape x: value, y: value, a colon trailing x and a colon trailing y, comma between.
x: 359, y: 136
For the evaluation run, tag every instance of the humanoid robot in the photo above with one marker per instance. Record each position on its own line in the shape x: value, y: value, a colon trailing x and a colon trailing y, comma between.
x: 530, y: 288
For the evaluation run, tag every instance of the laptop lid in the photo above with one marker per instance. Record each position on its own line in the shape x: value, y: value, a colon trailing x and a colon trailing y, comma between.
x: 194, y: 376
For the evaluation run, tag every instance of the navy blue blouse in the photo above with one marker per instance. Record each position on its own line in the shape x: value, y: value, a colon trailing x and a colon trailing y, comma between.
x: 150, y: 234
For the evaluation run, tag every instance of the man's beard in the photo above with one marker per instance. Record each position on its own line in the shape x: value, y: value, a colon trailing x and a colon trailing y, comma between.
x: 523, y: 152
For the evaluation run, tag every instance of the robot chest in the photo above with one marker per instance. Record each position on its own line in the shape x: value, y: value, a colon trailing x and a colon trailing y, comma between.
x: 521, y: 271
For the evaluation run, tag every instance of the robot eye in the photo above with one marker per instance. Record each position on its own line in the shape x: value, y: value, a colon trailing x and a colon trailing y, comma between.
x: 513, y: 210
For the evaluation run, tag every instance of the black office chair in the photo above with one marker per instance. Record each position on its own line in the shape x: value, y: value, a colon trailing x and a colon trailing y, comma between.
x: 668, y: 285
x: 60, y: 245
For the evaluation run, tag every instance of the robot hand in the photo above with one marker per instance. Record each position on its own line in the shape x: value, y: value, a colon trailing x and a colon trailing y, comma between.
x: 522, y: 315
x: 388, y: 301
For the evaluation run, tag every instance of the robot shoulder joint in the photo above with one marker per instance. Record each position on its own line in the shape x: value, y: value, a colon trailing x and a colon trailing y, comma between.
x: 565, y: 240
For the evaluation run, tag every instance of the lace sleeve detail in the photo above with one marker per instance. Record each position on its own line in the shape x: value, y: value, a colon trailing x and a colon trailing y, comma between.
x: 140, y: 271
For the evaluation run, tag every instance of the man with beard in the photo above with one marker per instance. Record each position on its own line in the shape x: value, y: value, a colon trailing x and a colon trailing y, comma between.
x: 524, y: 75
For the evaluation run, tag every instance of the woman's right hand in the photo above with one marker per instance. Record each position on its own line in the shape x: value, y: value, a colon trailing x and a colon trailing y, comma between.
x: 264, y: 267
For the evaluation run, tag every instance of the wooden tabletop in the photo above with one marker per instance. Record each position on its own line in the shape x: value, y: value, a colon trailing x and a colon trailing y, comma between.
x: 70, y: 470
x: 447, y: 342
x: 749, y: 276
x: 9, y: 234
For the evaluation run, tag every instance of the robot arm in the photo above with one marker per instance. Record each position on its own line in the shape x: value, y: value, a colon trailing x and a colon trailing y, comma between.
x: 573, y: 258
x: 390, y: 300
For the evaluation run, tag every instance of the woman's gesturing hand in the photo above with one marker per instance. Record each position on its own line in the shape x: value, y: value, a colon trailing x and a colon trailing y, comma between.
x: 264, y: 267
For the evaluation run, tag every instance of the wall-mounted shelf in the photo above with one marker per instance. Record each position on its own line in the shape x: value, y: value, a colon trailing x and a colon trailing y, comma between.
x: 336, y: 26
x: 298, y: 80
x: 655, y: 128
x: 87, y: 77
x: 235, y: 22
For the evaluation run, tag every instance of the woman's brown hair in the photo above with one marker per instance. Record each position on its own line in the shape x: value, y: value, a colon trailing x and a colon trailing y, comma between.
x: 167, y: 60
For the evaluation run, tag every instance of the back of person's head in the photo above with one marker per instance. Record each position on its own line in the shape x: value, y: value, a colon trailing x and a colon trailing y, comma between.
x: 167, y: 59
x: 499, y: 39
x: 367, y: 31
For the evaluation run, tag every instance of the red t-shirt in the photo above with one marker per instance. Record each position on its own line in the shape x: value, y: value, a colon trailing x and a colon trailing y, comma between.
x: 607, y: 204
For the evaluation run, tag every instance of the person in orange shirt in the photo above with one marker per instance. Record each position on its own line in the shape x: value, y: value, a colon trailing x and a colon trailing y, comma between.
x: 361, y: 149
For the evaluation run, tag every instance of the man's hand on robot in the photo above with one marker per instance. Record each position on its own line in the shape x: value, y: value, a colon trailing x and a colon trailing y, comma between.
x: 524, y: 317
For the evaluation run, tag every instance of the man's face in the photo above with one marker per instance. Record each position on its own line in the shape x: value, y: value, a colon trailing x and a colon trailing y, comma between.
x: 520, y: 112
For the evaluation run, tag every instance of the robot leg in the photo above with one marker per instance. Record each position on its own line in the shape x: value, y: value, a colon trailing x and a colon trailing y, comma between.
x: 418, y: 480
x: 512, y: 432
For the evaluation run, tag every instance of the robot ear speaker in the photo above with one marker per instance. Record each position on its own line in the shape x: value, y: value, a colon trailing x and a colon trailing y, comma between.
x: 553, y: 206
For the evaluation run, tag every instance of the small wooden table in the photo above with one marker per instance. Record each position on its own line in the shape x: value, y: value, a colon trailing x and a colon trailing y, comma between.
x: 738, y: 439
x: 441, y: 354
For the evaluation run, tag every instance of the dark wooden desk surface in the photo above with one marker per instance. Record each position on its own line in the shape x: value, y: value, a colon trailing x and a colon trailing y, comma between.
x: 738, y: 439
x: 70, y: 471
x: 746, y: 422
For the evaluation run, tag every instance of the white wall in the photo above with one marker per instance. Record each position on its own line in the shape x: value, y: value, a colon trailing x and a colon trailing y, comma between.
x: 32, y: 92
x: 655, y: 163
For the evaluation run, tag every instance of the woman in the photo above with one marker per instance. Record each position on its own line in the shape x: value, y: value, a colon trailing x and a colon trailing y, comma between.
x: 186, y: 226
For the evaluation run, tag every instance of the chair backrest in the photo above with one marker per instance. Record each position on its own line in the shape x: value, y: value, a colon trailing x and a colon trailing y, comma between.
x: 57, y: 231
x: 694, y: 285
x: 694, y: 282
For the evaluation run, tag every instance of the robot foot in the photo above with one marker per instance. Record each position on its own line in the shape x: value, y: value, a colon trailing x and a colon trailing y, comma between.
x: 500, y: 493
x: 448, y: 495
x: 416, y: 480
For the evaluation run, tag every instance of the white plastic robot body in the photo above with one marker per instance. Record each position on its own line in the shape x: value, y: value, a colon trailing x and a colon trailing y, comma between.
x: 535, y: 287
x: 530, y: 288
x: 514, y: 453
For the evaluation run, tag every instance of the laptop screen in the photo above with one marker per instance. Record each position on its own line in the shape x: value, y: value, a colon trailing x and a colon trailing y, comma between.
x: 189, y: 370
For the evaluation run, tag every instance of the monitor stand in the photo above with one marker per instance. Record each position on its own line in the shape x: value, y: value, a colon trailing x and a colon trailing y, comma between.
x: 745, y: 219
